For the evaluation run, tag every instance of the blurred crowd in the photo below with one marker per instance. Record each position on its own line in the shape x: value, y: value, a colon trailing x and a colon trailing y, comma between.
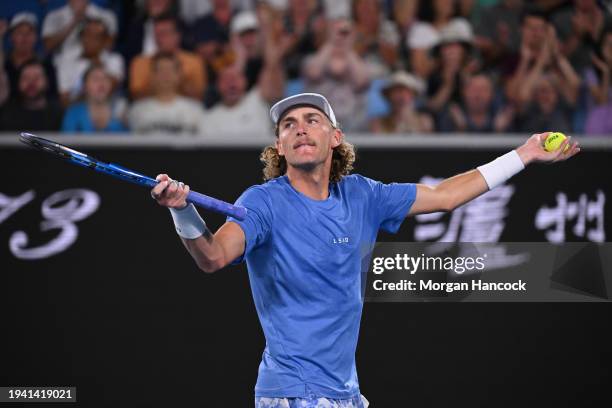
x: 213, y: 67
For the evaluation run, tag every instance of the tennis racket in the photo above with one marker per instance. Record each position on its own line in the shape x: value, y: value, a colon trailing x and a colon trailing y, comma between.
x: 124, y: 174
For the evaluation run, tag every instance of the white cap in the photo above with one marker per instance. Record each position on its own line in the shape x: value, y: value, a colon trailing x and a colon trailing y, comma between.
x: 402, y: 78
x: 316, y: 100
x: 20, y: 18
x: 244, y: 21
x: 458, y: 30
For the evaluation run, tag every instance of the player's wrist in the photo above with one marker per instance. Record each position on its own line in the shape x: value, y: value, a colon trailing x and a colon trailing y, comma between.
x: 525, y: 155
x: 187, y: 222
x: 501, y: 169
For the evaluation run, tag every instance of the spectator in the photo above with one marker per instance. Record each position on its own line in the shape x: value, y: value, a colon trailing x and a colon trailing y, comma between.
x: 376, y: 38
x: 96, y: 41
x: 168, y: 40
x: 23, y: 37
x: 404, y: 14
x: 97, y: 112
x: 215, y: 54
x: 337, y: 72
x: 498, y: 32
x: 477, y: 112
x: 61, y: 27
x: 247, y: 45
x: 140, y: 38
x: 248, y: 40
x: 166, y: 111
x: 305, y: 25
x: 31, y: 109
x: 452, y: 58
x: 245, y: 112
x: 599, y: 113
x: 211, y: 36
x: 425, y: 34
x: 401, y: 91
x: 548, y: 91
x: 548, y: 110
x: 579, y: 27
x: 211, y: 33
x: 534, y: 32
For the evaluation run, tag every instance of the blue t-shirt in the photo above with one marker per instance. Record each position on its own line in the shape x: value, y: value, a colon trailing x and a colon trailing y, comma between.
x: 307, y: 263
x: 77, y: 119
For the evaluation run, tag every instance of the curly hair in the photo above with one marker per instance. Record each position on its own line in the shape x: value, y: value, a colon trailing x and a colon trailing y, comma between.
x: 343, y: 158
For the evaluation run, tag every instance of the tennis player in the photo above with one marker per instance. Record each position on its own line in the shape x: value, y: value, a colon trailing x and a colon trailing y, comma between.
x: 303, y: 241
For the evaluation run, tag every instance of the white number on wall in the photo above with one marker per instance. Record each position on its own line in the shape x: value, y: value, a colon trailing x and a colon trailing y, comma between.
x: 61, y: 211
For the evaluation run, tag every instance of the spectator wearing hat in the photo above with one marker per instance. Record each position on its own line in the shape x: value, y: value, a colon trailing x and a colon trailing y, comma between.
x: 23, y: 36
x: 168, y: 40
x: 401, y: 91
x: 242, y: 111
x: 244, y: 51
x: 477, y: 111
x: 425, y: 34
x: 31, y: 109
x: 95, y: 44
x: 61, y: 27
x: 452, y: 56
x: 247, y: 45
x: 248, y: 40
x: 340, y: 74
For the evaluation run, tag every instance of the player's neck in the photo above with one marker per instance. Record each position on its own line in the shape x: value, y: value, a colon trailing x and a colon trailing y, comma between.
x: 313, y: 184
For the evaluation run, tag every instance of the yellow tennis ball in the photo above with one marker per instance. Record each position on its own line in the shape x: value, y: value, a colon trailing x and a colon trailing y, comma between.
x: 554, y: 140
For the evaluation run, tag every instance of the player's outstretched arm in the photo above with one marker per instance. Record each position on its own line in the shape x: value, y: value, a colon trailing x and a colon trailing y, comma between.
x: 458, y: 190
x: 211, y: 252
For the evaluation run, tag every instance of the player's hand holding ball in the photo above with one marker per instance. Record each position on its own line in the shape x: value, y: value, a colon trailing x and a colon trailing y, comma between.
x: 170, y: 193
x: 548, y: 147
x: 553, y: 142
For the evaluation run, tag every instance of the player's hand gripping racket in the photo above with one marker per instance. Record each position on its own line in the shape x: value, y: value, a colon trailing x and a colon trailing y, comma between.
x: 122, y: 173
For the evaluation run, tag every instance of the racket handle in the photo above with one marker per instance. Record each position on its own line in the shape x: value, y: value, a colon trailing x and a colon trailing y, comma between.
x: 213, y: 204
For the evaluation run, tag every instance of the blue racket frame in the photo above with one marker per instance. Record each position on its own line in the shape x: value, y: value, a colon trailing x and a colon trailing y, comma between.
x: 122, y: 173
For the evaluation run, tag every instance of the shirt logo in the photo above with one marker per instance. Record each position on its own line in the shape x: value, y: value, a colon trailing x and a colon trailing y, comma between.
x: 340, y: 240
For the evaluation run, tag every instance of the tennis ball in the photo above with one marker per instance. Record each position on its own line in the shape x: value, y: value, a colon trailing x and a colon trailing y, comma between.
x: 554, y: 140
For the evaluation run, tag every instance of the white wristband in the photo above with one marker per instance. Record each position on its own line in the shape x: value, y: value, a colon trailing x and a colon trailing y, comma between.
x: 501, y: 169
x: 188, y: 222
